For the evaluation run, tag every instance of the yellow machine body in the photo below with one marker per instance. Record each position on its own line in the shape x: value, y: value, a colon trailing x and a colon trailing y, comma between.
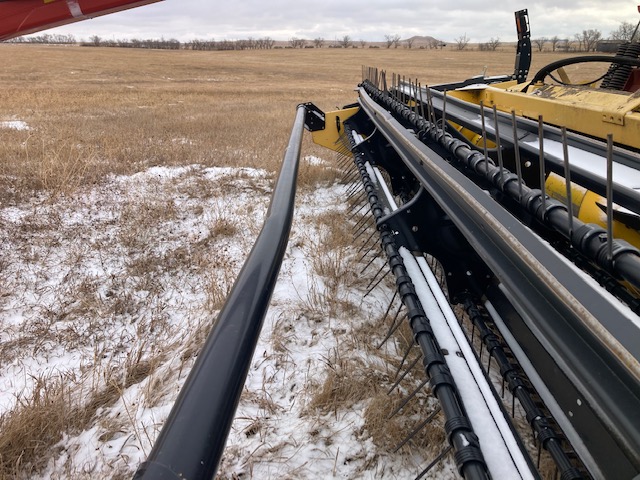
x: 474, y: 138
x: 590, y: 111
x: 329, y: 137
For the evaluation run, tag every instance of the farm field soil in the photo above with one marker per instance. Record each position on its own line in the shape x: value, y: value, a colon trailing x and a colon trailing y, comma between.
x: 132, y: 186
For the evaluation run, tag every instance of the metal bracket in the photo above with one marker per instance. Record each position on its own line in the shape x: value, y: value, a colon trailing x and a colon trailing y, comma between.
x: 314, y: 118
x: 421, y: 226
x: 523, y: 52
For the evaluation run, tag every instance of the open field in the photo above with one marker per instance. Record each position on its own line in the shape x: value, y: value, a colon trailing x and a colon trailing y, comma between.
x: 132, y: 185
x: 114, y: 110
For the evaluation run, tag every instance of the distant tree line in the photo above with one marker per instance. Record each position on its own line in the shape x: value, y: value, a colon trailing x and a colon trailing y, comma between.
x: 151, y: 43
x: 343, y: 42
x: 173, y: 44
x: 265, y: 43
x: 47, y: 38
x: 585, y: 41
x: 164, y: 44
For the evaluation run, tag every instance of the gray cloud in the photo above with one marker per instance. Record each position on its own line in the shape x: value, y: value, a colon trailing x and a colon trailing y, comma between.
x: 369, y: 20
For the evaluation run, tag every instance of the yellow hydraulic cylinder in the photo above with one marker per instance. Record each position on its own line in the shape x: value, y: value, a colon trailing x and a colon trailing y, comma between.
x: 591, y: 208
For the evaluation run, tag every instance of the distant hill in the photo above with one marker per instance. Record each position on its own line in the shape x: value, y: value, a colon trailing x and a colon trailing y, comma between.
x: 422, y: 40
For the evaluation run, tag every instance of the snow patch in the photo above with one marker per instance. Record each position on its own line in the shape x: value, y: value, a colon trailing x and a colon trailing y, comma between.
x: 313, y: 160
x: 121, y: 273
x: 15, y: 125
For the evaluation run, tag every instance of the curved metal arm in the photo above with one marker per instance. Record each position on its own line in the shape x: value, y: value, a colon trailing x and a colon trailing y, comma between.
x: 544, y: 71
x: 192, y: 440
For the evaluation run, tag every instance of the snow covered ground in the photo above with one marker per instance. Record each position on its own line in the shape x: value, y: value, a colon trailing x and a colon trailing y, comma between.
x: 106, y: 297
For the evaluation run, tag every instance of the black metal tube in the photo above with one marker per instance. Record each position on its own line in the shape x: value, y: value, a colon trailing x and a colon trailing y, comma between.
x: 192, y: 440
x: 543, y: 72
x: 460, y: 434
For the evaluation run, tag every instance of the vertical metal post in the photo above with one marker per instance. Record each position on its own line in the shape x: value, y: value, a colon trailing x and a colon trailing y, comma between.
x: 432, y: 116
x: 543, y: 176
x: 610, y: 197
x: 484, y: 138
x: 444, y: 110
x: 567, y: 179
x: 516, y: 148
x: 498, y: 144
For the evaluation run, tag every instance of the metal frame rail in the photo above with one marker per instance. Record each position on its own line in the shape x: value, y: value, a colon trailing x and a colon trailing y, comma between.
x: 468, y: 456
x: 192, y: 440
x: 586, y: 238
x: 590, y: 341
x: 469, y: 116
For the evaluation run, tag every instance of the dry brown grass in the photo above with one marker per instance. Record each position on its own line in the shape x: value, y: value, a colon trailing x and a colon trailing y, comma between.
x: 338, y: 232
x: 99, y: 111
x: 389, y: 433
x: 37, y: 422
x: 349, y: 380
x: 95, y: 113
x: 312, y: 176
x: 357, y: 375
x: 83, y: 309
x: 33, y: 427
x: 219, y: 284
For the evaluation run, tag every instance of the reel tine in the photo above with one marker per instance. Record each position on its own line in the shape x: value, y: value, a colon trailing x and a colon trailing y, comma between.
x: 417, y: 429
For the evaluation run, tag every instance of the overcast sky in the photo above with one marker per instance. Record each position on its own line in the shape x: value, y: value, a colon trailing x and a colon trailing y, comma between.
x: 367, y: 20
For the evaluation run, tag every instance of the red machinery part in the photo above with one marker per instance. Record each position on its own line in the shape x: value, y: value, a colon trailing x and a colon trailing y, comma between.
x: 20, y: 17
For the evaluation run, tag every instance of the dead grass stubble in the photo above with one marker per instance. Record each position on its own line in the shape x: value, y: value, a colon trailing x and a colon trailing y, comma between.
x: 357, y: 376
x: 36, y: 424
x: 92, y: 116
x: 67, y: 404
x: 143, y: 260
